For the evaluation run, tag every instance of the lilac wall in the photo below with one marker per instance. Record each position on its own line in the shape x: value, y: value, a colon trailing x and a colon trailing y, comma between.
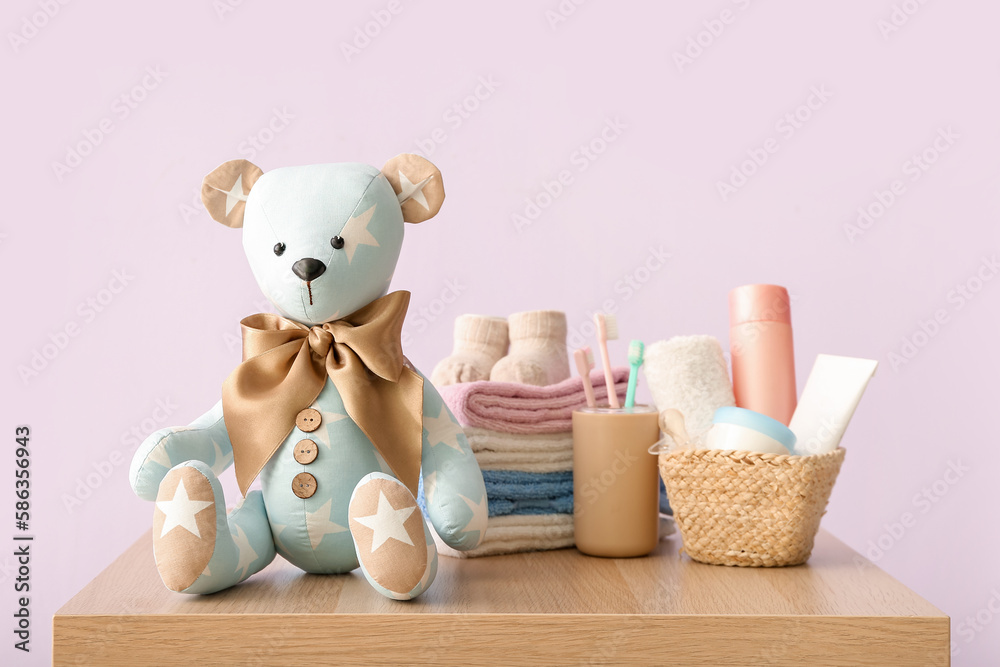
x: 902, y: 122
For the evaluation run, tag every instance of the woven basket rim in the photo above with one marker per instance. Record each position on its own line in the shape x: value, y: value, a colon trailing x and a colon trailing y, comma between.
x: 742, y: 456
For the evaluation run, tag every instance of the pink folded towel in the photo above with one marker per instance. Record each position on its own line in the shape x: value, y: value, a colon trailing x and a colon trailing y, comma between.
x: 523, y: 408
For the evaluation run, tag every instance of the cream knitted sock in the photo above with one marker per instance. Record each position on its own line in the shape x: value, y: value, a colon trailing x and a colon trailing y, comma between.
x: 537, y: 349
x: 480, y: 341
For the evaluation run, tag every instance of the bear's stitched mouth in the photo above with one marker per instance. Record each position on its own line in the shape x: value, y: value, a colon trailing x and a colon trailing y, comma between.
x: 308, y: 269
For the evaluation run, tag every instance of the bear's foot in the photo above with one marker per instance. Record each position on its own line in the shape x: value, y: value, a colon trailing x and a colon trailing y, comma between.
x: 198, y: 548
x: 394, y: 545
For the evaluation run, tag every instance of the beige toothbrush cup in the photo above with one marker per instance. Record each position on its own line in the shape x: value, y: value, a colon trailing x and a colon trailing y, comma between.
x: 616, y: 492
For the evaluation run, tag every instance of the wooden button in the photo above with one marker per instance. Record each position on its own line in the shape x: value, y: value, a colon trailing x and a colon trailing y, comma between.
x: 304, y: 485
x: 308, y: 420
x: 305, y: 451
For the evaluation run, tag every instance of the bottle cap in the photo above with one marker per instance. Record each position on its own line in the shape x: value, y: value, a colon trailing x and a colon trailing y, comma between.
x: 759, y: 303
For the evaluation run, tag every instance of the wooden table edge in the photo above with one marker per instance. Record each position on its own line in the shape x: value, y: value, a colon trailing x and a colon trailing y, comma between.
x: 549, y: 638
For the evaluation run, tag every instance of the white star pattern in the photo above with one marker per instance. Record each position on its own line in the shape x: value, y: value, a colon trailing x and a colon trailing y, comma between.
x: 180, y: 511
x: 430, y: 486
x: 247, y: 554
x: 235, y: 194
x: 160, y: 455
x: 276, y: 529
x: 322, y: 435
x: 387, y: 522
x: 480, y: 514
x: 442, y: 429
x: 355, y: 233
x: 319, y: 525
x: 221, y: 460
x: 408, y: 190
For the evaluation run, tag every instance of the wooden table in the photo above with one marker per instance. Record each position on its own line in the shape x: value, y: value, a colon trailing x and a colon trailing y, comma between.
x: 556, y: 607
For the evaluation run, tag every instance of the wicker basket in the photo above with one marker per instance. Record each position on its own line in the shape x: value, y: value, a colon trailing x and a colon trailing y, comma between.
x: 748, y: 509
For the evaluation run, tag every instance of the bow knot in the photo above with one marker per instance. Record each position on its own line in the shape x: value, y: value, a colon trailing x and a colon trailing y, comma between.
x: 287, y: 364
x: 320, y: 340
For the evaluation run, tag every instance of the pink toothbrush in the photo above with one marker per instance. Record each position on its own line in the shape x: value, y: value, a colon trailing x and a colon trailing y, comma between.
x: 584, y: 363
x: 607, y: 329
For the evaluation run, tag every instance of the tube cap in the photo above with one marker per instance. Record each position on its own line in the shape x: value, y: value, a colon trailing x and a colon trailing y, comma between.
x: 759, y: 303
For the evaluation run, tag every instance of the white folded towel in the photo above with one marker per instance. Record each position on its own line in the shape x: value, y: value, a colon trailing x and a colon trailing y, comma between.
x: 518, y: 532
x: 515, y: 533
x: 690, y: 374
x: 541, y: 452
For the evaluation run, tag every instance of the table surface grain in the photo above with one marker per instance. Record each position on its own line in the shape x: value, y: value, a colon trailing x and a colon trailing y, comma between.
x: 555, y: 607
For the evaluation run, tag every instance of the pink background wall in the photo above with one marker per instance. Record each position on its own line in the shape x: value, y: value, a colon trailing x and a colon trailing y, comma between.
x: 889, y: 81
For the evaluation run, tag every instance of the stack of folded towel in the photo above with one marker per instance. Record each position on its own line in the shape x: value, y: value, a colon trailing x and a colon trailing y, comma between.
x: 522, y: 437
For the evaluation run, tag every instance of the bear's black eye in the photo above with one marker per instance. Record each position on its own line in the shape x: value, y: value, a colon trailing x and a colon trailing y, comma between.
x: 279, y: 248
x: 337, y: 242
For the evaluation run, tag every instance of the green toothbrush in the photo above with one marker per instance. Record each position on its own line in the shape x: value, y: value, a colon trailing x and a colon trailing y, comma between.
x: 635, y: 353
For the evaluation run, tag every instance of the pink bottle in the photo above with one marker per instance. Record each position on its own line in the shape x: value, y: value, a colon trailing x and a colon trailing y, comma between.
x: 760, y: 343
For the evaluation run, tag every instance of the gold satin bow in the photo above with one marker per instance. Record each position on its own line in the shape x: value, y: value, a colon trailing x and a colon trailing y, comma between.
x: 285, y: 366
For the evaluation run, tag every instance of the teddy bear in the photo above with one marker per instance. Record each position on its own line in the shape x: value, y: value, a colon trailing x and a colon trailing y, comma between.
x: 343, y: 433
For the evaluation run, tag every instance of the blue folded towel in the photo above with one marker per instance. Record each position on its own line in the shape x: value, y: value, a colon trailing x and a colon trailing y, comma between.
x: 515, y: 492
x: 519, y: 485
x: 504, y: 507
x: 664, y: 503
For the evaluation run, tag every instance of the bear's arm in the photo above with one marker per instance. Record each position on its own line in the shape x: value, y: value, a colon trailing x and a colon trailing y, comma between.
x: 205, y: 439
x: 454, y: 492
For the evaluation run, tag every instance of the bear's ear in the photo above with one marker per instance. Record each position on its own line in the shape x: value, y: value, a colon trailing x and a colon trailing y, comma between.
x: 224, y: 191
x: 418, y: 186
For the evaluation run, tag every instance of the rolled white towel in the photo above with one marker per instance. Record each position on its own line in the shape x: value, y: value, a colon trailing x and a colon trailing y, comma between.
x: 690, y: 374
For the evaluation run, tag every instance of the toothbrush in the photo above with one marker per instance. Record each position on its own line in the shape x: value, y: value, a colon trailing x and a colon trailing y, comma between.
x: 635, y: 357
x: 584, y: 363
x: 607, y: 329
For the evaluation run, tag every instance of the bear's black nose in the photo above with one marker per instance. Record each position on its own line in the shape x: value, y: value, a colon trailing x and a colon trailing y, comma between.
x: 308, y: 268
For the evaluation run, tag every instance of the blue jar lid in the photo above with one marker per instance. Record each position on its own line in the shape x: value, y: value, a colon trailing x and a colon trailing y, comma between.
x: 761, y: 423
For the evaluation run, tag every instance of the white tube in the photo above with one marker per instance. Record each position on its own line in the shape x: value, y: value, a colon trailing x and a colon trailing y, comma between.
x: 828, y: 401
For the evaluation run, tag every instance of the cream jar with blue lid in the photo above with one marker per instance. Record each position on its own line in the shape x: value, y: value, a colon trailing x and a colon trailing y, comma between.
x: 745, y: 430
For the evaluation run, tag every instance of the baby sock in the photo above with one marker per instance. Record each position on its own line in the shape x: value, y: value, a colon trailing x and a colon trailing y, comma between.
x: 537, y: 349
x: 480, y: 341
